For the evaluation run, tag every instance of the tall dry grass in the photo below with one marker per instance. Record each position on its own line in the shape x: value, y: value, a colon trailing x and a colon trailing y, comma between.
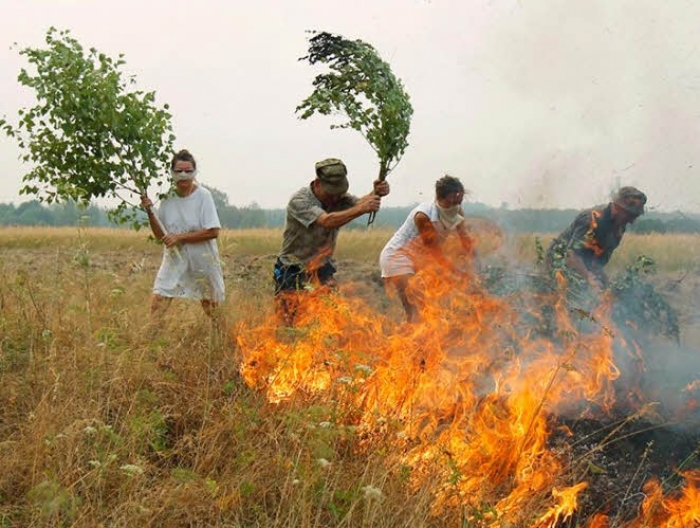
x: 108, y: 419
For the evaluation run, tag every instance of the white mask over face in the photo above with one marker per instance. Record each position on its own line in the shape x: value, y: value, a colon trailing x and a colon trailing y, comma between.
x: 182, y: 175
x: 450, y: 216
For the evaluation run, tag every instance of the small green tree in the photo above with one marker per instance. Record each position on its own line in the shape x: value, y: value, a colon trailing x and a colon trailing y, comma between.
x: 91, y: 134
x: 361, y: 86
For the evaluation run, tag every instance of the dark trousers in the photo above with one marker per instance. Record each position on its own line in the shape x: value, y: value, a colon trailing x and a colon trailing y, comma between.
x: 291, y: 280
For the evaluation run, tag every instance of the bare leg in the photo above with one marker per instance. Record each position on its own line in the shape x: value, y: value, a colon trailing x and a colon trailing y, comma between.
x: 400, y: 282
x: 159, y: 305
x: 210, y: 308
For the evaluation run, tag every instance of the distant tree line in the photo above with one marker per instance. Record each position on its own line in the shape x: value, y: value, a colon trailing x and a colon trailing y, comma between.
x: 33, y: 213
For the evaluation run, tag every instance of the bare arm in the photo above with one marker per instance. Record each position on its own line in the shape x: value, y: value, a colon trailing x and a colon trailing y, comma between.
x: 155, y: 226
x: 170, y: 239
x: 152, y: 220
x: 191, y: 237
x: 575, y: 262
x: 367, y: 204
x: 468, y: 244
x: 465, y: 239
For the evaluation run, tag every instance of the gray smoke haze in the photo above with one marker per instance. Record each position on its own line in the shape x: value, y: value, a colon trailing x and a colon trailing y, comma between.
x: 672, y: 378
x: 544, y: 104
x: 657, y: 372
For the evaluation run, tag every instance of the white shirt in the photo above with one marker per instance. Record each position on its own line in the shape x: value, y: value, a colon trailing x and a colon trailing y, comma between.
x: 196, y: 272
x: 396, y: 257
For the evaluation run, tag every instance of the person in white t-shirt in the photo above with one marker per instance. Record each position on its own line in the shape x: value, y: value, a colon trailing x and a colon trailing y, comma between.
x: 420, y: 237
x: 190, y: 268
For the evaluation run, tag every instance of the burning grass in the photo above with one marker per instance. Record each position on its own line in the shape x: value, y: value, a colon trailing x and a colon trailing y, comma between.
x: 466, y: 399
x: 473, y: 418
x: 462, y: 399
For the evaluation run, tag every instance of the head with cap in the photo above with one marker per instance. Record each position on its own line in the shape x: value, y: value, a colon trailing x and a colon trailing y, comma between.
x: 331, y: 180
x: 183, y: 169
x: 627, y: 204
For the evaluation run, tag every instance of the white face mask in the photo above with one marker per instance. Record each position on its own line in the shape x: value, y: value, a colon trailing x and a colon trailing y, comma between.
x: 182, y: 175
x: 450, y: 216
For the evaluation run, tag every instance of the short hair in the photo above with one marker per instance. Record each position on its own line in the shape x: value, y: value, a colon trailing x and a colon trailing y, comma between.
x: 448, y: 185
x: 183, y: 155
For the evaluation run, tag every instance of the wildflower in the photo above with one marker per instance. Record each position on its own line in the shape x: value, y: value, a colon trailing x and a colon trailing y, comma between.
x: 132, y: 469
x: 372, y: 493
x: 325, y: 425
x: 89, y: 430
x: 296, y: 482
x: 323, y: 463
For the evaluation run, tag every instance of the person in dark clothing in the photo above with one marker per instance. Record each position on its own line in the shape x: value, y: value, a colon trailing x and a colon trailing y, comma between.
x: 586, y: 246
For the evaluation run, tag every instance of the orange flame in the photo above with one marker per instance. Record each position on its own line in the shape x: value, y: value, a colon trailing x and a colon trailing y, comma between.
x: 468, y: 391
x: 599, y: 520
x: 565, y: 508
x: 681, y: 510
x: 591, y: 242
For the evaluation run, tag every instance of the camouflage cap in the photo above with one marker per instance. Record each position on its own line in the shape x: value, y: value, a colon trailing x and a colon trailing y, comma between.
x: 333, y: 175
x: 631, y: 199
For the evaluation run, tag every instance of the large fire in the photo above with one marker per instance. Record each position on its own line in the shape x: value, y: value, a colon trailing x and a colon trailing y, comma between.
x: 470, y: 393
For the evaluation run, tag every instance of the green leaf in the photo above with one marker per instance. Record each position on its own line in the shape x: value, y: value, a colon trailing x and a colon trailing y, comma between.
x: 597, y: 470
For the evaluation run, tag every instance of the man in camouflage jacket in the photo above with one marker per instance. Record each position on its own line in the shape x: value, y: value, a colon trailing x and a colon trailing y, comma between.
x: 586, y: 246
x: 315, y: 213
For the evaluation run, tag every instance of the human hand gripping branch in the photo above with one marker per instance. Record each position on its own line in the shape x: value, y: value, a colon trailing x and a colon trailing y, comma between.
x: 367, y: 204
x: 381, y: 189
x: 158, y: 228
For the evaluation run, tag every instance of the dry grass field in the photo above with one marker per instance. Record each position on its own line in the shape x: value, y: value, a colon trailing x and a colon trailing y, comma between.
x: 108, y: 419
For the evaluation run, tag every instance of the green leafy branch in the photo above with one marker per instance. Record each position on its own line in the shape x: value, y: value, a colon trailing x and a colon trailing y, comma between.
x: 361, y: 86
x: 90, y: 135
x: 641, y: 305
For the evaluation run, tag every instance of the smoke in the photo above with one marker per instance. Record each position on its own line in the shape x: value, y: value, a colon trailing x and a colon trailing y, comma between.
x: 655, y: 372
x: 672, y: 378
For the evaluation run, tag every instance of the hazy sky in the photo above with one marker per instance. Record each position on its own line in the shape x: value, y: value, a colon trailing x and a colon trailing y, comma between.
x: 544, y: 103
